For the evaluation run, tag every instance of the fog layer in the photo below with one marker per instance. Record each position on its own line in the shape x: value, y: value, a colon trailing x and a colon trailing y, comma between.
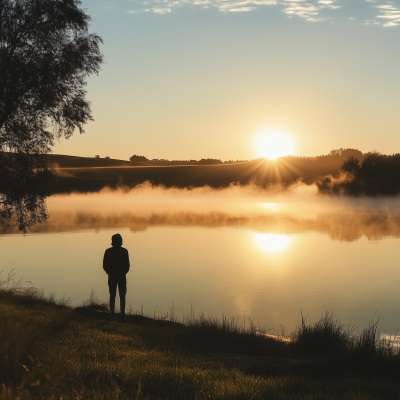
x: 297, y: 209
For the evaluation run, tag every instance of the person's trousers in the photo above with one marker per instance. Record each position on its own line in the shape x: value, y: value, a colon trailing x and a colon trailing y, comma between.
x: 113, y: 283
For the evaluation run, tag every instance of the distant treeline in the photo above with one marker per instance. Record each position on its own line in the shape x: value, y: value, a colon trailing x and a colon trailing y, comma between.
x: 312, y: 169
x: 375, y: 175
x: 331, y: 159
x: 62, y: 161
x: 142, y: 160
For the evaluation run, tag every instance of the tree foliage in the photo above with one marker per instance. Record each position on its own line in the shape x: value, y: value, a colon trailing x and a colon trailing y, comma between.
x: 137, y: 158
x: 25, y: 182
x: 351, y: 165
x: 46, y: 53
x: 376, y: 175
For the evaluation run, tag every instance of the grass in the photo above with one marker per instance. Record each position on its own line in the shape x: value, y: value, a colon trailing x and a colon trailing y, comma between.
x: 49, y: 350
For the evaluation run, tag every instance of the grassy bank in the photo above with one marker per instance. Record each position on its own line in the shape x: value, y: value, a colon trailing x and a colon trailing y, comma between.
x: 51, y: 350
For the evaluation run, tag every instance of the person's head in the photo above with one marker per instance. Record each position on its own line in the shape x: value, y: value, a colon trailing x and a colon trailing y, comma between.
x: 116, y: 240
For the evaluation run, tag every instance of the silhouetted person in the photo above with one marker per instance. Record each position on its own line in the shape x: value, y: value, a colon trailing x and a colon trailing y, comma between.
x: 116, y: 264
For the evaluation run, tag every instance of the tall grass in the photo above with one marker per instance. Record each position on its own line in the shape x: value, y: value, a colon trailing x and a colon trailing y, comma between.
x: 93, y: 303
x: 324, y: 337
x: 329, y: 348
x: 329, y: 337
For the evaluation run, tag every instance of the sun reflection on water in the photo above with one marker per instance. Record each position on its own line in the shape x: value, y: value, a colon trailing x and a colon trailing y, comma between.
x: 270, y: 206
x: 272, y: 242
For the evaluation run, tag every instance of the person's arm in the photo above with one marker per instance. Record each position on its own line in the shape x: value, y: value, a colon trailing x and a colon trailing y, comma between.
x: 127, y: 264
x: 106, y: 263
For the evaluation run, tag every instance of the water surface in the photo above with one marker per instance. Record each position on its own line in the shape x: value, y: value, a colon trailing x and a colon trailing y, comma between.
x: 266, y: 263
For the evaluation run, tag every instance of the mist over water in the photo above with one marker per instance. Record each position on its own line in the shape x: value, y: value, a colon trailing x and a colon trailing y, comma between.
x: 299, y: 208
x: 296, y: 198
x: 241, y: 251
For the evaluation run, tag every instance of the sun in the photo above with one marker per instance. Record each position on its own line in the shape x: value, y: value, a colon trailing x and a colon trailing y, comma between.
x: 272, y: 242
x: 273, y: 143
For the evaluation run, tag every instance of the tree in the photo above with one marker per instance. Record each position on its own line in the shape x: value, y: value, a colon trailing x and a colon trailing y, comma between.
x: 209, y: 161
x: 137, y: 158
x: 351, y: 165
x: 46, y: 53
x: 25, y: 182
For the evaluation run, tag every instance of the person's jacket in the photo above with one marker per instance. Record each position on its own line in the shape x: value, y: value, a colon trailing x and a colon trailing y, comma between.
x: 116, y: 261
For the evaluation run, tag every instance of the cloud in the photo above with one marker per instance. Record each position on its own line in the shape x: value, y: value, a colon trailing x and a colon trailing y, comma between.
x: 138, y: 11
x: 390, y: 12
x: 387, y: 7
x: 309, y: 10
x: 305, y: 11
x: 222, y: 5
x: 391, y: 23
x: 241, y: 9
x: 159, y: 10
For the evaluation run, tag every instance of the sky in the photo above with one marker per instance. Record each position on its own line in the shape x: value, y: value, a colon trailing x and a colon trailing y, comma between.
x: 192, y: 79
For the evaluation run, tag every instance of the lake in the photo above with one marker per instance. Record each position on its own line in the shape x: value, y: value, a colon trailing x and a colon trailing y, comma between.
x: 246, y: 255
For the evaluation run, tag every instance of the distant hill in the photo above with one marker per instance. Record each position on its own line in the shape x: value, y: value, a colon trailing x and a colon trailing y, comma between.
x: 259, y: 172
x: 63, y: 161
x: 346, y: 171
x: 91, y: 174
x: 85, y: 162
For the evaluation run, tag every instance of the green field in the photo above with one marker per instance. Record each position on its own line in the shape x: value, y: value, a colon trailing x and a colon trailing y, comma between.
x: 50, y: 350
